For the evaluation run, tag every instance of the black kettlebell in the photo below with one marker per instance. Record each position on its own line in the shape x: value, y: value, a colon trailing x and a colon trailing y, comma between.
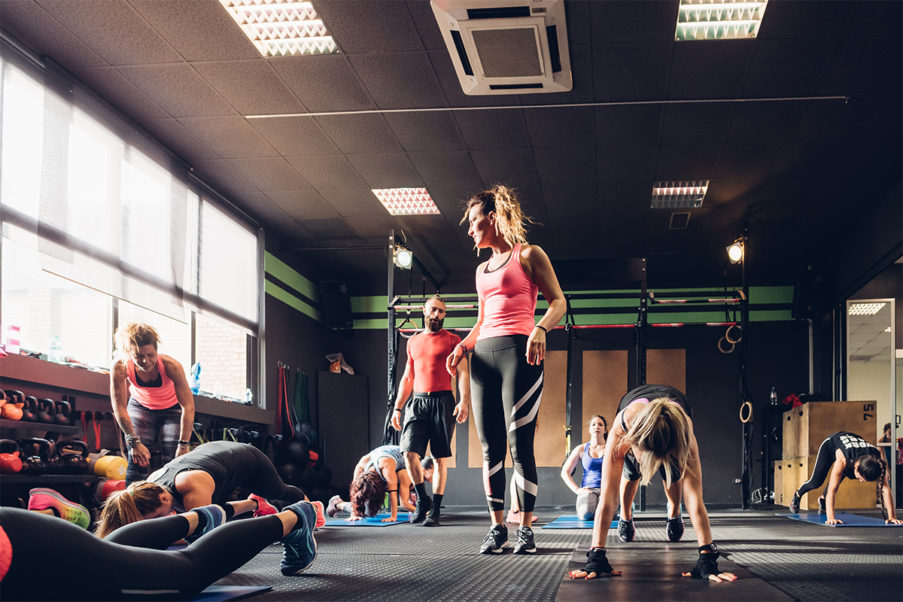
x: 30, y: 409
x: 8, y: 446
x: 63, y: 413
x: 73, y: 456
x: 45, y: 409
x: 35, y: 453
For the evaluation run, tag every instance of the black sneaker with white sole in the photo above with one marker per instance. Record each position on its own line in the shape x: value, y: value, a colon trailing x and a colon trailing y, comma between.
x: 625, y: 530
x: 495, y: 541
x: 525, y: 544
x: 675, y: 529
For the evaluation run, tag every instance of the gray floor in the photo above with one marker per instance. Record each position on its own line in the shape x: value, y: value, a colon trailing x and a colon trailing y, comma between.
x: 783, y: 559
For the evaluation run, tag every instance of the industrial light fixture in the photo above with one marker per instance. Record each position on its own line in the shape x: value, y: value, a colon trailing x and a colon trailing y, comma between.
x: 678, y: 194
x: 719, y: 19
x: 865, y: 309
x: 402, y: 257
x: 281, y: 27
x: 735, y: 251
x: 406, y: 201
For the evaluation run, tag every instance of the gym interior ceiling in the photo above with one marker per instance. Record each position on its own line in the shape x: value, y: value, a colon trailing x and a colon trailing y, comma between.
x: 799, y: 172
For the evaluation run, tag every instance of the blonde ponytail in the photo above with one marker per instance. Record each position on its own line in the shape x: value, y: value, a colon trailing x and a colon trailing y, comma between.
x: 510, y: 219
x: 660, y: 437
x: 128, y: 506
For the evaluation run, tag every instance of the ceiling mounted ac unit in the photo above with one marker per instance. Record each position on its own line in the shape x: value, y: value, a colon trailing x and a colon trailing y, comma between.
x: 506, y: 46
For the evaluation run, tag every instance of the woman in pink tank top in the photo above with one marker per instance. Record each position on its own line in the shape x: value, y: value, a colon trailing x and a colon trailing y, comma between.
x: 152, y: 402
x: 508, y: 347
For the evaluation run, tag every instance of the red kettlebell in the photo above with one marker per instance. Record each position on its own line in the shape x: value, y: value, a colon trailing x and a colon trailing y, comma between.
x: 10, y: 463
x: 12, y: 409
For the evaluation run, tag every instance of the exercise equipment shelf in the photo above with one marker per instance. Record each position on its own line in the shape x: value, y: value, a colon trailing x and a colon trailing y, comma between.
x: 37, y: 426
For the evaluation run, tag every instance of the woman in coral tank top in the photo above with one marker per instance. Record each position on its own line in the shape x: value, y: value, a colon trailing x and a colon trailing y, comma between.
x: 152, y: 401
x: 508, y: 350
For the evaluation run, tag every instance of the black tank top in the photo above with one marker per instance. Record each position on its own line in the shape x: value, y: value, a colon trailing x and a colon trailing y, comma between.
x: 229, y: 463
x: 853, y: 447
x: 650, y: 393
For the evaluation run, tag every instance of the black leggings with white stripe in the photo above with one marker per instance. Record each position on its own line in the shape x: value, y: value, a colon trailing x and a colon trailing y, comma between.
x: 506, y: 393
x: 55, y: 560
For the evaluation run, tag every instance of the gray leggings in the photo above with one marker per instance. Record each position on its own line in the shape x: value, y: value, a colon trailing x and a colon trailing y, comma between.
x: 157, y: 429
x: 587, y: 500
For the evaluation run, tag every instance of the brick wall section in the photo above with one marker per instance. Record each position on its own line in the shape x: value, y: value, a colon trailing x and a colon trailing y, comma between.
x: 221, y: 350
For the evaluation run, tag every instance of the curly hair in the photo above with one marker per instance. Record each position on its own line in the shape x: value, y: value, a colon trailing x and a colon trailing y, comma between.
x: 510, y: 218
x: 128, y: 506
x: 662, y: 434
x: 134, y: 335
x: 368, y: 490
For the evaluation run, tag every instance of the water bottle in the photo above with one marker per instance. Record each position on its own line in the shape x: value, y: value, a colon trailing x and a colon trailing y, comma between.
x: 773, y: 397
x: 249, y: 396
x: 194, y: 383
x: 56, y: 351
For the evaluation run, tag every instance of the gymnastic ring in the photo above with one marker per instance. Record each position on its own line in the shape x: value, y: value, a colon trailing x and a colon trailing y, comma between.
x: 400, y: 326
x: 733, y: 334
x: 746, y: 405
x: 722, y: 342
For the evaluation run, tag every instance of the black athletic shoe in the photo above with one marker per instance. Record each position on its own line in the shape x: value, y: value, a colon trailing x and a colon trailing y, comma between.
x: 625, y: 530
x: 822, y: 509
x: 495, y: 541
x: 525, y: 544
x: 433, y: 519
x: 423, y: 509
x: 675, y: 528
x: 795, y: 503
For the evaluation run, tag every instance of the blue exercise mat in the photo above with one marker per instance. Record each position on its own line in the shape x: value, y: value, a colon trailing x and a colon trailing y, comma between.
x: 849, y: 520
x: 573, y: 522
x: 370, y: 521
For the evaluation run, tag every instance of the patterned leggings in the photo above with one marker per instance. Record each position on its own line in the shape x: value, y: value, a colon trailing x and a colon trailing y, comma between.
x: 157, y: 429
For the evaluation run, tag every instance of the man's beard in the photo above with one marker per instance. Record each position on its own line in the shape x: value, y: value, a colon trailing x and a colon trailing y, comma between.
x: 434, y: 325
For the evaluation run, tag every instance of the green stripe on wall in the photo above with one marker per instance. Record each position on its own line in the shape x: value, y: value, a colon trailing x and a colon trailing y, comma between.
x: 695, y: 313
x: 289, y: 299
x: 285, y: 273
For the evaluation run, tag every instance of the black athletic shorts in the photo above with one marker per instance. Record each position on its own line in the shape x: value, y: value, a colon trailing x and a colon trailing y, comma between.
x: 428, y: 417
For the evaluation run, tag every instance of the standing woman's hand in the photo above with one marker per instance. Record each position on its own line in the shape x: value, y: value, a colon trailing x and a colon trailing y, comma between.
x: 451, y: 362
x: 536, y: 346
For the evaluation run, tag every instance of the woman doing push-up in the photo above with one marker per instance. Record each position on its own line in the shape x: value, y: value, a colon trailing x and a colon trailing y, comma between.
x: 653, y: 433
x: 847, y: 455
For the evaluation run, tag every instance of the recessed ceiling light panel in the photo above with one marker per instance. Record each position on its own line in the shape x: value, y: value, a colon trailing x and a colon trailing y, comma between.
x: 281, y: 27
x: 865, y: 309
x: 406, y: 201
x: 719, y: 19
x: 674, y: 194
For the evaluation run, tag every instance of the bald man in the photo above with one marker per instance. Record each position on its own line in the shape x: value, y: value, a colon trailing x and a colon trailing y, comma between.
x: 431, y: 414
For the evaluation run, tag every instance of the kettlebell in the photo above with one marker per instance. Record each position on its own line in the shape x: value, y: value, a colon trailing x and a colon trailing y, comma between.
x: 63, y: 413
x: 29, y: 408
x: 13, y: 408
x: 2, y: 398
x: 73, y: 456
x: 35, y: 452
x: 45, y: 409
x: 10, y: 463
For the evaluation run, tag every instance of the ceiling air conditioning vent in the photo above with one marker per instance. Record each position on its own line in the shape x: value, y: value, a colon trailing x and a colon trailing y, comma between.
x: 506, y: 46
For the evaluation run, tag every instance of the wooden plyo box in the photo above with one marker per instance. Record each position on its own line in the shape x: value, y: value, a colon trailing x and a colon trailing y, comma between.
x: 793, y: 472
x: 805, y: 427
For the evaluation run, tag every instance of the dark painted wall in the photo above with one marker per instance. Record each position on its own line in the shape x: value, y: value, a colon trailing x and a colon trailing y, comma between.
x: 778, y: 357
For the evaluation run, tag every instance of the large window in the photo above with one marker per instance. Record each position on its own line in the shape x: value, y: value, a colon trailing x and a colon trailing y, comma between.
x: 101, y: 227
